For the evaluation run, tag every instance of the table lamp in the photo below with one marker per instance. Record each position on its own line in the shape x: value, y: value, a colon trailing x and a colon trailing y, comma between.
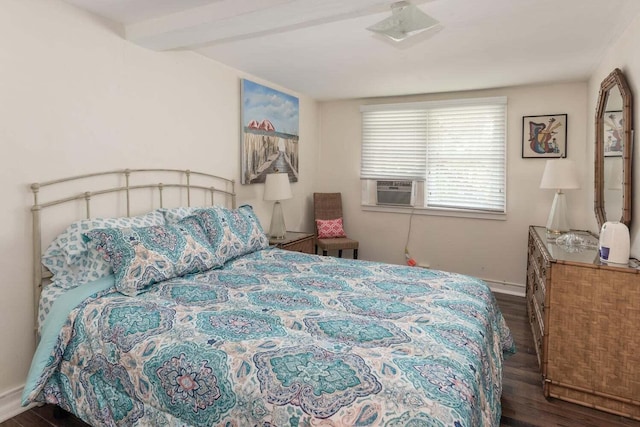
x: 559, y: 174
x: 276, y: 187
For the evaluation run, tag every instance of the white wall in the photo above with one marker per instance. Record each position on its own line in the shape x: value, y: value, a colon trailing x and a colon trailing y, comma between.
x: 623, y: 54
x: 75, y: 98
x: 495, y: 250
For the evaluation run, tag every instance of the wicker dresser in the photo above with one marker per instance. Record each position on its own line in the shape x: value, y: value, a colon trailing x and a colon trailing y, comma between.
x: 585, y: 319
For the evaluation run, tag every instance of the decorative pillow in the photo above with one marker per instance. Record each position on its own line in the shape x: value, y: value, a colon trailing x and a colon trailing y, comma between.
x: 143, y: 256
x: 330, y: 228
x: 232, y: 232
x: 69, y: 258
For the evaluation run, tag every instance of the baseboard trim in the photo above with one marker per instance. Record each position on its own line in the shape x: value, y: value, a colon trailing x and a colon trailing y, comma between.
x: 10, y: 404
x: 506, y: 288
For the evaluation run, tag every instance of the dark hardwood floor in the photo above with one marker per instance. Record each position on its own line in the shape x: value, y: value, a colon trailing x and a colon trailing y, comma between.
x: 523, y: 404
x: 43, y: 416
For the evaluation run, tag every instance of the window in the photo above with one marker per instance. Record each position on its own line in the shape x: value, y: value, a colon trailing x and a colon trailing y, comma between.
x: 454, y: 150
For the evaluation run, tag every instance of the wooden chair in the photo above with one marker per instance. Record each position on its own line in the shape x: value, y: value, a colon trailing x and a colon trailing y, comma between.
x: 329, y: 206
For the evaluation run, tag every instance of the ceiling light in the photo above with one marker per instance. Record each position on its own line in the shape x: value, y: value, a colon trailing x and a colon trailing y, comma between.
x: 406, y: 20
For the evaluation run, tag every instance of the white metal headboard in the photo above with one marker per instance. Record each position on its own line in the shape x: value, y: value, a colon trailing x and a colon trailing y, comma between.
x: 176, y: 179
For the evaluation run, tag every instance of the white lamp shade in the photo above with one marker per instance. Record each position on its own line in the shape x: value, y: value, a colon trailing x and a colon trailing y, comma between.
x: 276, y: 187
x: 560, y: 174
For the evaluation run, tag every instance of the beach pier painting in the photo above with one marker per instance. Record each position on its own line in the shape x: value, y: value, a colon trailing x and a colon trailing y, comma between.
x: 270, y: 133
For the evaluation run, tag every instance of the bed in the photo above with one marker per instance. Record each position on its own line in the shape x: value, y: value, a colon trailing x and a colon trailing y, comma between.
x: 232, y: 332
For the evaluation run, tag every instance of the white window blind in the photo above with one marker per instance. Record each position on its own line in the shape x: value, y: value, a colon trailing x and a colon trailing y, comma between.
x: 466, y: 157
x: 393, y: 144
x: 457, y: 147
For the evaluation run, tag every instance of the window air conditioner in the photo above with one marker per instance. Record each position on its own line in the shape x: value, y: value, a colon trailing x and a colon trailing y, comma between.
x: 395, y: 193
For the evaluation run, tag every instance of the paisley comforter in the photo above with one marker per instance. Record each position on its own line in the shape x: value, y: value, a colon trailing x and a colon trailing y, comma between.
x: 279, y: 338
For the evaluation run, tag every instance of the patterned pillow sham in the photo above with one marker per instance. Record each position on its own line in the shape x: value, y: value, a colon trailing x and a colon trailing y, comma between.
x: 232, y: 232
x: 72, y: 262
x: 330, y: 228
x: 142, y: 256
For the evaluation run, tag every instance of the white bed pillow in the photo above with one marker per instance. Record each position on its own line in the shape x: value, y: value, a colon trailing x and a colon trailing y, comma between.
x: 173, y: 215
x: 72, y: 263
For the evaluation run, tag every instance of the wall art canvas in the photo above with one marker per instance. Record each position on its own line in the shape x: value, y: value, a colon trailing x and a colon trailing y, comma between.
x: 613, y: 133
x: 270, y: 133
x: 544, y: 136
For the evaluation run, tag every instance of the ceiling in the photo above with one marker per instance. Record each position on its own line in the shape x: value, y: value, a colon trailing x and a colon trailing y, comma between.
x: 322, y: 48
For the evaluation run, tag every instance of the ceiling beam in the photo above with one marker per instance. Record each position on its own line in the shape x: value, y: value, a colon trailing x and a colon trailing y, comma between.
x: 241, y: 19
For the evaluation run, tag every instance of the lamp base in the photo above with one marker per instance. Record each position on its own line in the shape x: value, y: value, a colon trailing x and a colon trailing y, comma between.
x: 277, y: 229
x: 558, y: 223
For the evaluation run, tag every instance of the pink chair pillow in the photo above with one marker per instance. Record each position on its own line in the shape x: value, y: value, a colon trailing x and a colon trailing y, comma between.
x: 330, y: 228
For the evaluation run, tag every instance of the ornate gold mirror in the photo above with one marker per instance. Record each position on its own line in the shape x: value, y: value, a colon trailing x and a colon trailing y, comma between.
x: 614, y: 139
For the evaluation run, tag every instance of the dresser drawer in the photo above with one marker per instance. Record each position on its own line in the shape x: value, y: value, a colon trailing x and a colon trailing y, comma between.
x: 539, y: 291
x: 536, y: 329
x: 537, y: 274
x: 539, y: 261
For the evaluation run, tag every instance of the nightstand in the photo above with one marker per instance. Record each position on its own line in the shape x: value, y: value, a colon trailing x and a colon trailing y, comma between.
x: 294, y: 241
